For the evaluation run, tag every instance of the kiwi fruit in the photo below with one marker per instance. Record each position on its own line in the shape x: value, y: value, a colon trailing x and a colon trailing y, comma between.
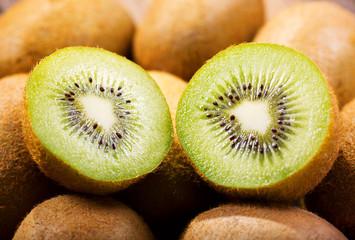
x: 166, y: 41
x: 323, y: 31
x: 33, y: 29
x: 253, y: 221
x: 259, y: 121
x: 94, y: 121
x: 334, y: 198
x: 173, y: 194
x: 22, y: 185
x: 79, y: 217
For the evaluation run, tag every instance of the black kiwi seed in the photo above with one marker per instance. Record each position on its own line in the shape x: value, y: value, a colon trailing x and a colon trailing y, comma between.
x: 78, y: 120
x: 234, y: 127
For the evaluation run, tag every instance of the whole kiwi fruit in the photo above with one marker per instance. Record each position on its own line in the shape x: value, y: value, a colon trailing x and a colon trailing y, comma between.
x: 180, y: 45
x: 334, y: 197
x: 323, y: 31
x: 173, y: 194
x: 33, y: 29
x: 259, y: 122
x: 94, y: 121
x: 255, y: 221
x: 79, y: 217
x: 22, y: 185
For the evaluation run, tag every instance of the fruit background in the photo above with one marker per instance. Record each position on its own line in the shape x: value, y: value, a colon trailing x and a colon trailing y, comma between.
x: 172, y: 40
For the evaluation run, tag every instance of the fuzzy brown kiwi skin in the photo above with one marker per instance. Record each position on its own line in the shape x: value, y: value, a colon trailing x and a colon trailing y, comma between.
x: 173, y: 194
x: 323, y: 31
x: 22, y: 184
x: 79, y: 217
x: 334, y: 197
x: 300, y: 183
x: 305, y: 225
x: 62, y: 172
x: 165, y: 41
x: 33, y: 29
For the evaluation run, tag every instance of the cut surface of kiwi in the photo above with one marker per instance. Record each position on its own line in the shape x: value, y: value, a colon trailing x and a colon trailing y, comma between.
x: 98, y: 115
x: 256, y: 115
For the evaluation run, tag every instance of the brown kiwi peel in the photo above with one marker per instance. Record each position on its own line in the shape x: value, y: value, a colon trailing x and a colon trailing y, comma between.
x: 323, y: 31
x: 22, y: 185
x: 80, y: 217
x: 33, y: 29
x: 298, y: 223
x: 165, y: 41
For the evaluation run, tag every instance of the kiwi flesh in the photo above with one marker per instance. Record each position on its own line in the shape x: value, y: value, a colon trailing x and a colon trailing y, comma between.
x: 80, y: 217
x: 22, y: 185
x: 95, y: 121
x: 166, y: 41
x: 33, y: 29
x: 334, y: 198
x: 259, y: 121
x: 173, y: 194
x: 253, y: 221
x: 323, y: 31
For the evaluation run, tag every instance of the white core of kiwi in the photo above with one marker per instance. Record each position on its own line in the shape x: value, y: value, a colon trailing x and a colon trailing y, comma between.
x: 100, y: 110
x: 253, y: 116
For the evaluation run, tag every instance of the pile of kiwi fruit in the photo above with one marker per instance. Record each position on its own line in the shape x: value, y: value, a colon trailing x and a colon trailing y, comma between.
x: 157, y: 119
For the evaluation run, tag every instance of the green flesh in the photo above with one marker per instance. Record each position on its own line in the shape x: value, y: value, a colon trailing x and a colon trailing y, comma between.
x: 143, y: 123
x: 209, y: 141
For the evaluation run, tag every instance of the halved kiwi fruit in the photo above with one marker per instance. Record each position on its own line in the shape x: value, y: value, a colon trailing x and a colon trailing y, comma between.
x: 95, y: 122
x: 258, y: 121
x: 254, y: 221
